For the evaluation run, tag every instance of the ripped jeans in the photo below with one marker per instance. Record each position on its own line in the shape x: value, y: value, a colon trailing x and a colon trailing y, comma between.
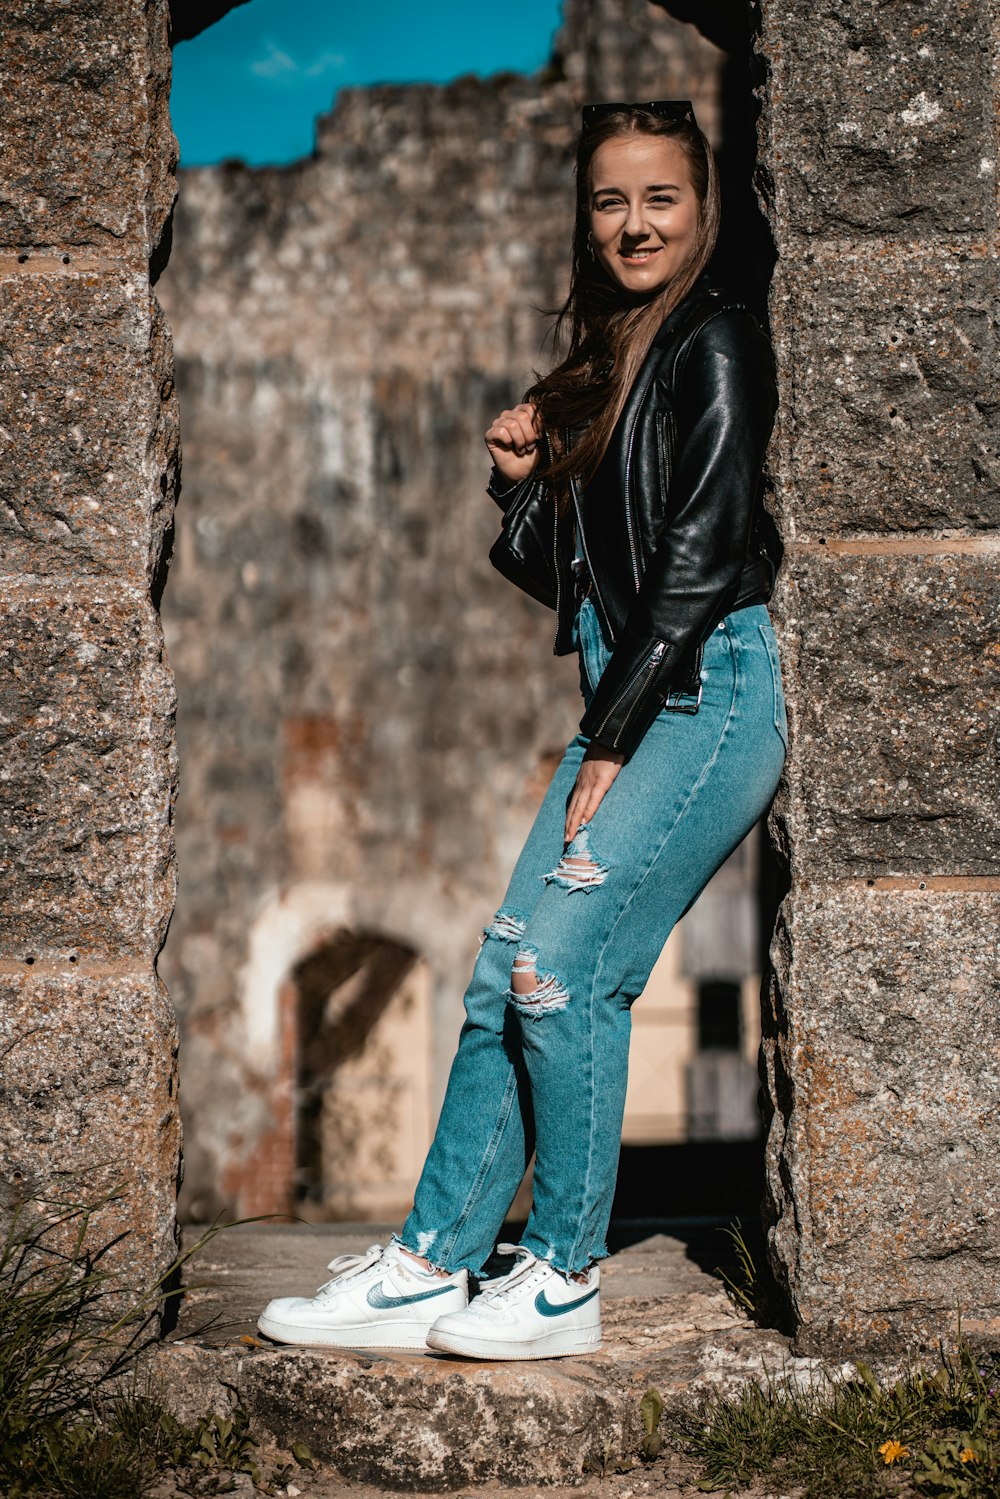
x: 545, y: 1070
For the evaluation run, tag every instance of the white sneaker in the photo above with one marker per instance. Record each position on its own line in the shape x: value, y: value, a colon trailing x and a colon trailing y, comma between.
x: 382, y: 1299
x: 530, y: 1313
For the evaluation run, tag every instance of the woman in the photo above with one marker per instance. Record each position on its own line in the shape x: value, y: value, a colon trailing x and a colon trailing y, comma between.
x: 629, y: 479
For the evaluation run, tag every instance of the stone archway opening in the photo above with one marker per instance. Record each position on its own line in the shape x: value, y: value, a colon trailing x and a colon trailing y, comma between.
x: 363, y: 1077
x: 342, y: 1114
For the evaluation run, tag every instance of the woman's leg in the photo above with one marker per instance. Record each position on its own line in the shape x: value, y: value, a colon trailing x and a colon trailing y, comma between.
x: 485, y: 1133
x: 694, y: 788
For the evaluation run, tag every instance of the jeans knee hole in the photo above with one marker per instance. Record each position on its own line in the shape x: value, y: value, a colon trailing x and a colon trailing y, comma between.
x: 578, y: 868
x: 506, y: 926
x: 533, y: 994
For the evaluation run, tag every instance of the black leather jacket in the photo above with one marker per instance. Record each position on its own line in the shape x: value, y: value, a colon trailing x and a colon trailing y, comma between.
x: 672, y: 523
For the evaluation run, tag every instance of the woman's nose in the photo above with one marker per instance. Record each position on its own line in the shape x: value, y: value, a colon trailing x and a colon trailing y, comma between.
x: 635, y: 222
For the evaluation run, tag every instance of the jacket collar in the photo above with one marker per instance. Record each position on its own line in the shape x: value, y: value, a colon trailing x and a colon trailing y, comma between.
x: 702, y: 293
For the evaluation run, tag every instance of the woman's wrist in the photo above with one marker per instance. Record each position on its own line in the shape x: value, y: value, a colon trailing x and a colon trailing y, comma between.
x: 498, y: 483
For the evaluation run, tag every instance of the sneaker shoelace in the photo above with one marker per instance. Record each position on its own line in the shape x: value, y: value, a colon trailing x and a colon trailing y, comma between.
x: 532, y: 1268
x: 515, y: 1278
x: 347, y: 1266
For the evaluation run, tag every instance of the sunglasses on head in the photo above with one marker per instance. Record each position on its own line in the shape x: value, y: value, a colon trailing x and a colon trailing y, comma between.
x: 665, y: 109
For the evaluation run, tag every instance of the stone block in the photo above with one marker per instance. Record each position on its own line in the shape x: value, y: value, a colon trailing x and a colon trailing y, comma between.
x: 86, y: 773
x: 506, y: 1417
x: 88, y: 424
x: 879, y: 118
x: 894, y: 667
x: 88, y: 1111
x: 415, y: 1422
x: 89, y: 154
x: 890, y: 400
x: 880, y: 1046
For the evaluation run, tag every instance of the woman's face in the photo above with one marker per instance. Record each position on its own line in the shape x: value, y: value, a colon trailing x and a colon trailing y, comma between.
x: 643, y: 210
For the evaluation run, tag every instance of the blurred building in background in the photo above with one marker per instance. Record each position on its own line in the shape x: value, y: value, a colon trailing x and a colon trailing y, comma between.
x: 368, y: 715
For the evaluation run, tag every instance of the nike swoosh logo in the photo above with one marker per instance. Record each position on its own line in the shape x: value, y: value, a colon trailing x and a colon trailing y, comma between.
x: 549, y: 1308
x: 377, y: 1297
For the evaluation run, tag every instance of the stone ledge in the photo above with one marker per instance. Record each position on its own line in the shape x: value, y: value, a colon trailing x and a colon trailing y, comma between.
x: 429, y: 1422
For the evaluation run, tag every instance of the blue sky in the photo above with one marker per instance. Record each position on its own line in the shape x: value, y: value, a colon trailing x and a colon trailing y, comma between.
x: 251, y: 85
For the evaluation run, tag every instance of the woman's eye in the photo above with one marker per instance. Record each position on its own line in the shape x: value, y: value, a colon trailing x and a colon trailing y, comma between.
x: 663, y: 198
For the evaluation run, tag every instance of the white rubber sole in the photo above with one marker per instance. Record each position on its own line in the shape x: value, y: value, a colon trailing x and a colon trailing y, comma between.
x: 560, y: 1343
x: 397, y: 1335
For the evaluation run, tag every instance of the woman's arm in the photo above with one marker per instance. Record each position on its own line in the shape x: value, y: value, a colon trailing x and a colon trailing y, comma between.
x: 726, y: 403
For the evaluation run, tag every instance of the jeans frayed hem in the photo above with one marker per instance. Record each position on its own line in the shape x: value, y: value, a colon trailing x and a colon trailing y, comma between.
x: 476, y: 1271
x: 548, y: 1256
x: 424, y: 1253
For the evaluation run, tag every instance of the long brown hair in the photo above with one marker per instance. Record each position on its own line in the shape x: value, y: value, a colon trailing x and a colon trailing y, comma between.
x: 610, y: 335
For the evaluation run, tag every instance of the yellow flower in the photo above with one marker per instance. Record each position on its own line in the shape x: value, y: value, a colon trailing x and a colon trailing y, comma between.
x: 893, y: 1450
x: 967, y: 1455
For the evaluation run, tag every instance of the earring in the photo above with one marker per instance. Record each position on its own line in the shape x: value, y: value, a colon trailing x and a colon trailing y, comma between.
x: 590, y: 245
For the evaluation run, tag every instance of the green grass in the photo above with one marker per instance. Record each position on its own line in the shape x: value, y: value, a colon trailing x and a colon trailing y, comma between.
x: 119, y: 1449
x: 74, y: 1421
x: 930, y: 1433
x: 752, y: 1290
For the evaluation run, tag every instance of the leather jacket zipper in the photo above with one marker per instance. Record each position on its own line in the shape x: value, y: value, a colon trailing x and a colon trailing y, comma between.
x: 647, y: 670
x: 633, y: 550
x: 555, y: 565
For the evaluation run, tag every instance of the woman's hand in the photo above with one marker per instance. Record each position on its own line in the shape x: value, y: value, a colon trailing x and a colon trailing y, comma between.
x: 593, y: 781
x: 513, y: 441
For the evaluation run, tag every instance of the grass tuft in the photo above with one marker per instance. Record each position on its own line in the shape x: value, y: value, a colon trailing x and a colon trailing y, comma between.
x: 929, y: 1433
x: 71, y: 1335
x: 752, y: 1290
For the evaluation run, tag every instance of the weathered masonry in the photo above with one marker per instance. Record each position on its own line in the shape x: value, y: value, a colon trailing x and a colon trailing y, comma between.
x: 883, y: 1071
x: 88, y: 466
x: 878, y: 164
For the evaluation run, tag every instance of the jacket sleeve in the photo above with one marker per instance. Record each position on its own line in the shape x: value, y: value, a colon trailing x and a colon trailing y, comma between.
x: 500, y: 488
x: 725, y: 406
x: 524, y: 552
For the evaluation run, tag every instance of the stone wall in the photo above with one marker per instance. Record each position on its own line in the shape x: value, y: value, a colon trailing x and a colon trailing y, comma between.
x: 368, y: 713
x: 879, y: 166
x: 88, y: 466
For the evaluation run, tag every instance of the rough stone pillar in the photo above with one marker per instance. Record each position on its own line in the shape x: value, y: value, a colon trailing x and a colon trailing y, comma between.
x: 88, y: 461
x: 882, y: 1059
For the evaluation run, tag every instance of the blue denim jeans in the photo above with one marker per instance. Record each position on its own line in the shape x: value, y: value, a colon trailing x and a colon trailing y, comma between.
x: 546, y: 1072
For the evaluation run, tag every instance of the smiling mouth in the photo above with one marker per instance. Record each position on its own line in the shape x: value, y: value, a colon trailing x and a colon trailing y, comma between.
x: 638, y: 255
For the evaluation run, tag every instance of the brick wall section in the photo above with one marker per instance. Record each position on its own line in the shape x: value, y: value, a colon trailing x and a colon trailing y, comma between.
x: 879, y: 166
x: 88, y: 465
